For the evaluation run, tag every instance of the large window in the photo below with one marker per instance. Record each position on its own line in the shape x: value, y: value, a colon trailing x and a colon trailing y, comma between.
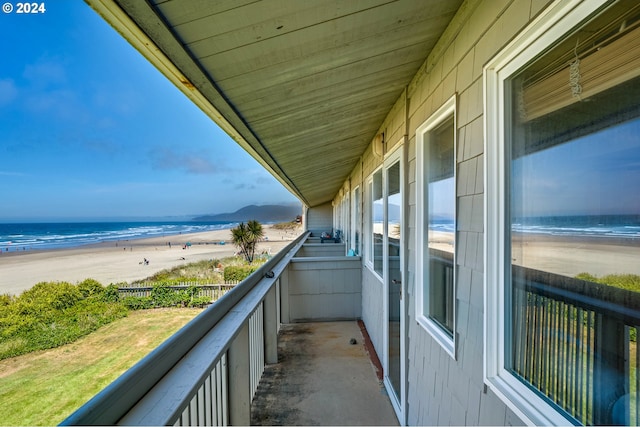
x: 563, y: 217
x: 437, y: 224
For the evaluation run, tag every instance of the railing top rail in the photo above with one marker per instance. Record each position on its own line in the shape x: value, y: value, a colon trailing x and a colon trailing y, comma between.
x: 217, y: 325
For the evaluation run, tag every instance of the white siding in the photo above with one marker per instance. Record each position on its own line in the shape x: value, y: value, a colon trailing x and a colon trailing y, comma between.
x: 373, y: 309
x: 325, y: 288
x: 320, y: 218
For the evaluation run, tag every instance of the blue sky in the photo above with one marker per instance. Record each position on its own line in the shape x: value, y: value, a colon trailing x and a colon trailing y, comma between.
x: 90, y: 130
x: 598, y: 174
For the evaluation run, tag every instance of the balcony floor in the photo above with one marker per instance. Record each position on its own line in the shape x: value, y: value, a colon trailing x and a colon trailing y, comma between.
x: 321, y: 379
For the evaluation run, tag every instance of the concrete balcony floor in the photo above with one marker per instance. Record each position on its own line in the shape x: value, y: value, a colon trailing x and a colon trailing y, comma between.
x: 321, y: 378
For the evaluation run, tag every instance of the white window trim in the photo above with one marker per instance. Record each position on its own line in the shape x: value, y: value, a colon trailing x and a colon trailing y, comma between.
x: 552, y: 24
x: 446, y: 111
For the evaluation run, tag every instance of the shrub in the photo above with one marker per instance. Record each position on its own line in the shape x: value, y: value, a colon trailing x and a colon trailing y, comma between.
x: 52, y: 314
x: 238, y: 273
x: 91, y: 287
x: 163, y: 296
x: 199, y: 301
x: 194, y: 299
x: 137, y: 303
x: 5, y: 299
x: 111, y: 293
x: 51, y: 295
x: 630, y: 282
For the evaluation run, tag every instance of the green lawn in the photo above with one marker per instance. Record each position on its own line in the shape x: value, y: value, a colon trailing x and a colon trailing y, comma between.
x: 44, y: 387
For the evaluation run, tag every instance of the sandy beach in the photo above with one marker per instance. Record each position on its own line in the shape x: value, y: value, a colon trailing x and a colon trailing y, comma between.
x: 566, y: 255
x: 122, y: 261
x: 570, y: 256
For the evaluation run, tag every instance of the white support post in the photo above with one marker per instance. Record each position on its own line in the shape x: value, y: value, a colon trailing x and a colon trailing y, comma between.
x: 239, y: 379
x: 284, y: 296
x: 271, y: 327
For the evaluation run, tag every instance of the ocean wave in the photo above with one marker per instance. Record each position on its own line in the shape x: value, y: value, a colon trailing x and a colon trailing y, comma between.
x: 65, y: 235
x: 624, y: 232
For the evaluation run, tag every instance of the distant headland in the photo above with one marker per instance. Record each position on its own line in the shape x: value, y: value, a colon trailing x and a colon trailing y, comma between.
x: 263, y: 213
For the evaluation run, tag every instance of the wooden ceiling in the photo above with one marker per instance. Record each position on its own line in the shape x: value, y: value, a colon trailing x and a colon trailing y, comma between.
x: 302, y: 85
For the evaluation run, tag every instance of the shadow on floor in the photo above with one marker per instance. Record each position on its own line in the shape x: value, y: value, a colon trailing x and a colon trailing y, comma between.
x: 321, y: 378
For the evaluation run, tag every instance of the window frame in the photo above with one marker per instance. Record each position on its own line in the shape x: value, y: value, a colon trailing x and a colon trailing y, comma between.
x: 447, y: 111
x: 554, y: 23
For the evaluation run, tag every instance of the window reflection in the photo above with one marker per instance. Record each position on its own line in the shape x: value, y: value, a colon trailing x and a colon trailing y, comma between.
x: 574, y: 250
x: 441, y: 230
x: 377, y: 212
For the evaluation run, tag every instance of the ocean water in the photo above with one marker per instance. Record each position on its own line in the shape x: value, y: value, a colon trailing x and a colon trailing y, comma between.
x: 444, y: 225
x: 611, y: 226
x: 606, y: 226
x: 30, y: 236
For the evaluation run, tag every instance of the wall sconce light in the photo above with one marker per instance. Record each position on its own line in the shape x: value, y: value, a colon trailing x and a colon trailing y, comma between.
x: 378, y: 145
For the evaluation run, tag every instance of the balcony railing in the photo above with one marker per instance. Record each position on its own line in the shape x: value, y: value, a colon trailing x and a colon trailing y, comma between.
x: 208, y: 371
x: 575, y: 342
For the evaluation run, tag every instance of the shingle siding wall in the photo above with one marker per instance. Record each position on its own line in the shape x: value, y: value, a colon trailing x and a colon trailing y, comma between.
x: 324, y: 288
x: 320, y: 218
x: 441, y: 390
x: 373, y: 309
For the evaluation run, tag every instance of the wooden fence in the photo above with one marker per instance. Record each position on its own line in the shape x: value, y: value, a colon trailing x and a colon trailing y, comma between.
x: 215, y: 290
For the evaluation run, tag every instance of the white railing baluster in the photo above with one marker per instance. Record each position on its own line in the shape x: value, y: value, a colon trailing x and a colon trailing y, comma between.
x: 256, y: 347
x: 201, y: 405
x: 239, y: 377
x: 207, y: 398
x: 278, y: 319
x: 223, y: 405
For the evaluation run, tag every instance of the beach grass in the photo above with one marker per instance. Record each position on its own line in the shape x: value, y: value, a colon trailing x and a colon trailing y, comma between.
x: 209, y: 271
x: 44, y: 387
x: 629, y: 282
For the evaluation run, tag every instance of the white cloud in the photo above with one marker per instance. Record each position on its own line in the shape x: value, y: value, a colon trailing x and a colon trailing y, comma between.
x: 122, y: 101
x: 10, y: 173
x: 45, y: 72
x: 193, y: 163
x: 8, y: 91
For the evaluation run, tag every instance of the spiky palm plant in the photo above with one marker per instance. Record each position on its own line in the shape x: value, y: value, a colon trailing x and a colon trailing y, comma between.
x: 246, y: 238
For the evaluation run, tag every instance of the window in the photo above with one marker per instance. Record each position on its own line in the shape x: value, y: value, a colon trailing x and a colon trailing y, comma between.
x: 344, y: 220
x: 563, y: 217
x: 355, y: 221
x: 436, y: 165
x: 376, y: 213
